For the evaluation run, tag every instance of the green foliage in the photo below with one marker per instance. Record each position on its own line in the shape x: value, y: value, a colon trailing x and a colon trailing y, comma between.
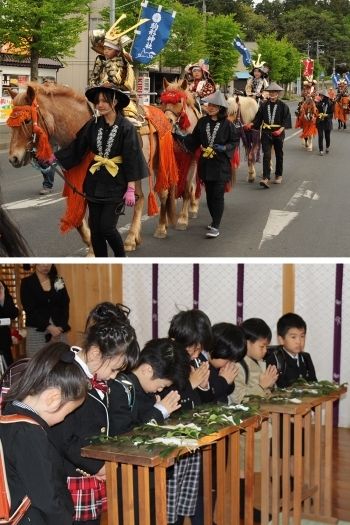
x: 220, y: 32
x: 281, y: 57
x: 44, y: 28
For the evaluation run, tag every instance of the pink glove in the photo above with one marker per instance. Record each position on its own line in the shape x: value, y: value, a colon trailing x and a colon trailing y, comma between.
x: 49, y: 161
x: 248, y: 126
x: 129, y: 196
x: 277, y: 132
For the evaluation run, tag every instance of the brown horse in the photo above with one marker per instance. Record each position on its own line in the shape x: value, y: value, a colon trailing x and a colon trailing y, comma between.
x: 179, y: 107
x: 306, y: 120
x: 61, y: 112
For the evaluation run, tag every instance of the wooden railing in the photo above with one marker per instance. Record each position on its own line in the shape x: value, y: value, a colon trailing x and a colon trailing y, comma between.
x: 311, y: 494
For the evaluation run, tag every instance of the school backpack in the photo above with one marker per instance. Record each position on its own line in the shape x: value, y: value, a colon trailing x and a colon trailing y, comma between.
x: 128, y: 387
x: 11, y: 375
x: 5, y: 498
x: 280, y: 358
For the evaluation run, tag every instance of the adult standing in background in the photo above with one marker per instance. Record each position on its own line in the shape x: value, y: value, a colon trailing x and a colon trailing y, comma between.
x: 45, y: 301
x: 8, y: 310
x: 324, y: 120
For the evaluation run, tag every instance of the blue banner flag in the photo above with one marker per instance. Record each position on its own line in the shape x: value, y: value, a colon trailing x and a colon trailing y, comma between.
x: 334, y: 78
x: 152, y: 35
x: 243, y: 50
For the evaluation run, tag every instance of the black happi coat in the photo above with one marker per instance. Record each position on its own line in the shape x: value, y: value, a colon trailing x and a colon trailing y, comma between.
x: 282, y: 115
x: 125, y: 144
x: 123, y: 417
x: 326, y: 108
x: 217, y: 168
x: 40, y: 306
x: 34, y: 467
x: 219, y: 388
x: 293, y: 372
x: 7, y: 311
x: 75, y: 432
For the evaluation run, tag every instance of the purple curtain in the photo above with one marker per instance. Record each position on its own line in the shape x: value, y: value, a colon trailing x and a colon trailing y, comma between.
x: 154, y: 301
x: 337, y: 333
x: 195, y: 286
x: 240, y: 293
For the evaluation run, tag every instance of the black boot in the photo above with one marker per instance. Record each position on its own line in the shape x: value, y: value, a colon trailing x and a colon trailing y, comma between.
x: 256, y: 512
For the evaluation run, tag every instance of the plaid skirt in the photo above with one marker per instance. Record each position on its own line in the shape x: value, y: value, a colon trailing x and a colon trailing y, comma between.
x: 182, y: 488
x: 36, y: 340
x: 89, y: 497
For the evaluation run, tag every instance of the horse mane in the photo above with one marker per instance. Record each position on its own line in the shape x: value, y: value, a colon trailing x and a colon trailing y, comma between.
x: 248, y: 107
x: 49, y: 89
x: 177, y: 86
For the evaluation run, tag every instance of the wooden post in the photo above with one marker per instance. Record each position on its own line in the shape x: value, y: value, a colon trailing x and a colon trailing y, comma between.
x: 288, y: 288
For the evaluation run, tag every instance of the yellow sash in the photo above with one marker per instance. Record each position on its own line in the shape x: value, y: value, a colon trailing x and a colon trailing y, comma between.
x: 269, y: 126
x: 110, y: 164
x: 208, y: 152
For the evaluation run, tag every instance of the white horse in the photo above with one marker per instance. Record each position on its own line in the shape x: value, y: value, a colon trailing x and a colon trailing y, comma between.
x: 242, y: 110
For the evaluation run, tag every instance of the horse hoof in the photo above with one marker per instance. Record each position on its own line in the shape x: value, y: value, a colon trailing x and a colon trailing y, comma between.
x: 181, y: 227
x: 251, y: 178
x: 129, y: 247
x: 193, y: 215
x: 159, y: 235
x: 309, y: 149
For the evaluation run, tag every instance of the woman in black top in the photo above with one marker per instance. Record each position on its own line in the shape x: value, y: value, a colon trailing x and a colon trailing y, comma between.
x: 45, y: 301
x: 8, y: 310
x: 118, y: 163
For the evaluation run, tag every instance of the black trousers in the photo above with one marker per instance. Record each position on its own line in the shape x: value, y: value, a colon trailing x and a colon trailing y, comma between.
x: 215, y: 191
x: 103, y: 225
x: 327, y: 135
x: 267, y: 141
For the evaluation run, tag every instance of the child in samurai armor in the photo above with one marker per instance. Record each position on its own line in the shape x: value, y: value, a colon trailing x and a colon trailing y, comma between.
x: 201, y: 83
x: 257, y: 83
x: 309, y: 90
x: 273, y: 117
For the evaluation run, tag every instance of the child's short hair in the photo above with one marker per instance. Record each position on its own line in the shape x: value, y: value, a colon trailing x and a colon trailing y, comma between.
x: 54, y: 366
x: 255, y: 329
x: 168, y: 359
x: 288, y: 321
x: 229, y: 342
x: 191, y: 327
x: 109, y: 328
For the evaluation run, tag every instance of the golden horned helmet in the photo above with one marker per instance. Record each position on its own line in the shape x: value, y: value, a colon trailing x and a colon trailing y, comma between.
x: 116, y: 38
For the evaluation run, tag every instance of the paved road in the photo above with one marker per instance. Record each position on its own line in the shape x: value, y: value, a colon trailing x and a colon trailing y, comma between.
x: 308, y: 215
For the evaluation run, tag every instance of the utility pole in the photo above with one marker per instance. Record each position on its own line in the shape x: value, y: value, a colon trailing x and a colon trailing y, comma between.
x: 204, y: 12
x: 111, y: 12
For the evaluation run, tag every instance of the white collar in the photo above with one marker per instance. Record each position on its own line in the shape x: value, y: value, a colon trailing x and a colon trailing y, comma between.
x: 82, y: 363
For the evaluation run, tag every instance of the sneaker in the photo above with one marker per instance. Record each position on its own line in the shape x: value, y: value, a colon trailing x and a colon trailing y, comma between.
x: 265, y: 183
x: 321, y: 153
x: 213, y: 232
x: 44, y: 191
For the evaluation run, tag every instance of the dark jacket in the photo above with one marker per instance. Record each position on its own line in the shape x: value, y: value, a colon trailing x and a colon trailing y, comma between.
x: 7, y: 311
x: 125, y: 144
x: 217, y: 168
x: 75, y: 432
x: 325, y: 107
x: 292, y: 371
x: 127, y: 412
x: 282, y: 117
x: 40, y: 306
x: 34, y: 467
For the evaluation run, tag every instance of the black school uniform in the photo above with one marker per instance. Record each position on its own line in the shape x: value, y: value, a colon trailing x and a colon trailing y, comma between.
x: 34, y: 467
x: 295, y: 368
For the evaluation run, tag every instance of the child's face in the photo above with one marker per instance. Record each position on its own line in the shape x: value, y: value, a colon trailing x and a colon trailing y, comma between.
x: 258, y: 349
x: 104, y: 368
x: 257, y: 73
x: 110, y: 52
x: 194, y: 350
x: 293, y: 341
x: 197, y: 74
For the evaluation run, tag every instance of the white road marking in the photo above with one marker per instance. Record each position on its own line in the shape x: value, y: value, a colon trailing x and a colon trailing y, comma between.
x: 293, y: 135
x: 45, y: 200
x: 279, y: 219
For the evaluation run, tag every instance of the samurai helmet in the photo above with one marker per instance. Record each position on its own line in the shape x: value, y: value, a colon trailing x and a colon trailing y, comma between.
x: 199, y: 65
x: 114, y: 38
x: 260, y: 66
x: 309, y: 80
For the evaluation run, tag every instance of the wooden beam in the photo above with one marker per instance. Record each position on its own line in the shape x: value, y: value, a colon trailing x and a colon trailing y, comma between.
x: 288, y: 288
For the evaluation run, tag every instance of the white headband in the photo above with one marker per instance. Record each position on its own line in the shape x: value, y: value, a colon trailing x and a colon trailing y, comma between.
x: 112, y: 46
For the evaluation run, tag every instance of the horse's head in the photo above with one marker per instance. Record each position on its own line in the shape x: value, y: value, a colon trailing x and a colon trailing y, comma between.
x: 233, y: 104
x: 176, y: 101
x: 308, y: 108
x: 44, y: 112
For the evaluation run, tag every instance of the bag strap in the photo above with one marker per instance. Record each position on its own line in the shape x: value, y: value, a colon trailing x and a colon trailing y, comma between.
x: 25, y: 504
x: 280, y: 361
x: 128, y: 387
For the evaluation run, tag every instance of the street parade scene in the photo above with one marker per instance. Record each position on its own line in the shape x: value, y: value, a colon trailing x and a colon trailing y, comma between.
x: 124, y: 177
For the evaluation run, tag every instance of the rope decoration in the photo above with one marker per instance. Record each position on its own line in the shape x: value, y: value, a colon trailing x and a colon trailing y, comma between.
x: 21, y: 113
